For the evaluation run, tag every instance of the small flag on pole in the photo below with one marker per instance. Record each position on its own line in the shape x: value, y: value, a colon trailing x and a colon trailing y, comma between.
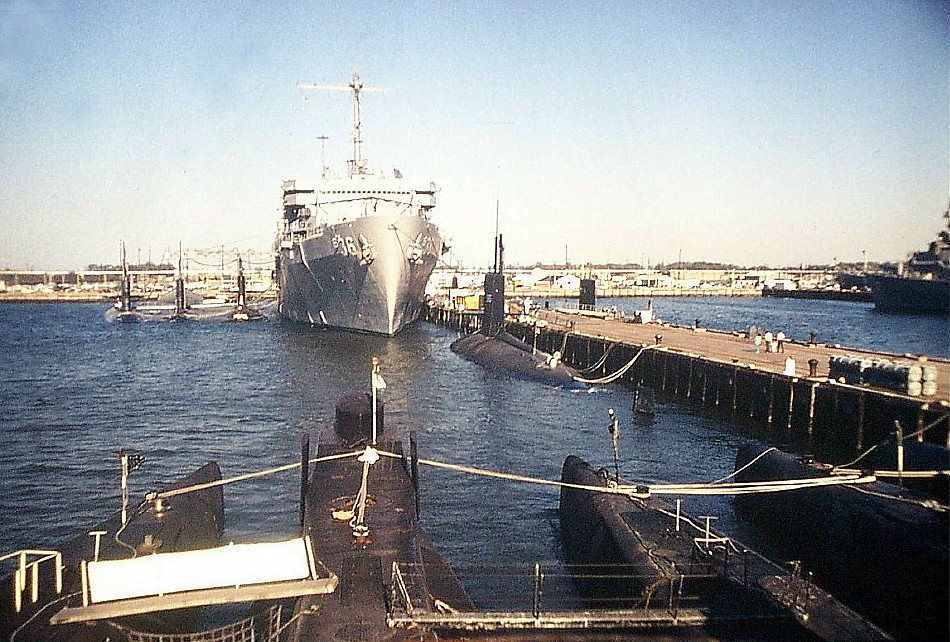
x: 378, y: 382
x: 135, y: 462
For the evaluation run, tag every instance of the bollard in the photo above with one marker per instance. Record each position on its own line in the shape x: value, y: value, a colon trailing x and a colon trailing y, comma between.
x: 790, y: 367
x: 813, y: 367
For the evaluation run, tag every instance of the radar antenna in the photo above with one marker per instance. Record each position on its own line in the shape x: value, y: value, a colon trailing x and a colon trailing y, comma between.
x: 358, y: 164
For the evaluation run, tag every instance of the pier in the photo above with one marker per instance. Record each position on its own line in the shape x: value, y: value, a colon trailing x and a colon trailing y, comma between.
x: 721, y: 372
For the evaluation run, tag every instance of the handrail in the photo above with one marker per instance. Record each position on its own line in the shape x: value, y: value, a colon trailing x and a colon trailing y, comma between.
x: 19, y: 577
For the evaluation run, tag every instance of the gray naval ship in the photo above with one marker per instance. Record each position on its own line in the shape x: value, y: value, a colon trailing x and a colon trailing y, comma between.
x: 355, y: 252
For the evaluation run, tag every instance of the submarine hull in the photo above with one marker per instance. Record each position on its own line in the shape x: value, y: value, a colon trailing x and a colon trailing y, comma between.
x: 884, y: 557
x: 508, y: 354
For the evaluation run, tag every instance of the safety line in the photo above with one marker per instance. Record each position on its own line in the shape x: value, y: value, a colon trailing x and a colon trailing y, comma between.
x: 644, y: 491
x: 221, y: 482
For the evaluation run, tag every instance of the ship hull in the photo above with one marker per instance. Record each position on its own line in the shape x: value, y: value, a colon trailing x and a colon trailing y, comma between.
x: 901, y: 294
x: 368, y: 275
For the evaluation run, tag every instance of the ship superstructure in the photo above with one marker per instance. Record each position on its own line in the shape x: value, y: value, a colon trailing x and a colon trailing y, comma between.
x: 922, y: 284
x: 355, y: 252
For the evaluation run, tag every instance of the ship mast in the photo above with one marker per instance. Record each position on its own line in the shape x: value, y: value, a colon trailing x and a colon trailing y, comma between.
x: 358, y: 165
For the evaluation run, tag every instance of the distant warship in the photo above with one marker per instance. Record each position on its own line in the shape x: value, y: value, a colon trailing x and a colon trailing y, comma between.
x: 924, y: 282
x: 356, y: 252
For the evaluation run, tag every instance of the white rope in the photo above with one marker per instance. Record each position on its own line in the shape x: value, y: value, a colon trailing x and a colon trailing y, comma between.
x: 369, y: 457
x: 270, y: 471
x: 511, y: 477
x: 601, y: 361
x: 736, y: 472
x: 613, y: 377
x: 925, y: 503
x: 909, y: 474
x: 645, y: 491
x: 744, y: 488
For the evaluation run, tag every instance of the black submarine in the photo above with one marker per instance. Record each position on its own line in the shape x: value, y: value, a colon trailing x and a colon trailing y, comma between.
x: 498, y: 350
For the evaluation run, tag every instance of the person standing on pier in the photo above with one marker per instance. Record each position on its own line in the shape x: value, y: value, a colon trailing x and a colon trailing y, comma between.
x: 758, y: 342
x: 780, y: 341
x: 768, y: 341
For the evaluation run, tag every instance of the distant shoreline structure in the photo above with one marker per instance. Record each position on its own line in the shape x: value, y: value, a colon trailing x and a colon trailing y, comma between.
x: 536, y: 283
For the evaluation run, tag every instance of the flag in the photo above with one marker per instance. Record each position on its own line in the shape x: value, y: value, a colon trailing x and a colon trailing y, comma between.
x: 135, y: 461
x: 378, y: 382
x: 397, y: 173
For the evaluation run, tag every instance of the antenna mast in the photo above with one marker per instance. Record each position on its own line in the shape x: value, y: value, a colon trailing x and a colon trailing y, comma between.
x: 324, y: 171
x: 358, y: 164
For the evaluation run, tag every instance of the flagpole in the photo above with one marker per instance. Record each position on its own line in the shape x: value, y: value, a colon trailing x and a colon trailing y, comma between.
x: 373, y: 385
x: 124, y: 458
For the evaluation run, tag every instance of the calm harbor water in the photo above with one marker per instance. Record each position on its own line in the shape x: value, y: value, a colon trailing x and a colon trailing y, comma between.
x: 76, y: 389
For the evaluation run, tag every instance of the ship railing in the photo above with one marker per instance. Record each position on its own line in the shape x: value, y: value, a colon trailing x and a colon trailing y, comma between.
x: 29, y: 564
x: 266, y: 626
x: 547, y: 597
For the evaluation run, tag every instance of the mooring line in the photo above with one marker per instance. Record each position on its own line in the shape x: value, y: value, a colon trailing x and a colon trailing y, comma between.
x: 644, y: 491
x: 619, y: 373
x: 270, y: 471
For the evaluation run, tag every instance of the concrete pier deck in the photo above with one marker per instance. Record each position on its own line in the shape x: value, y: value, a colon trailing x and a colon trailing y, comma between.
x: 730, y: 347
x: 721, y: 373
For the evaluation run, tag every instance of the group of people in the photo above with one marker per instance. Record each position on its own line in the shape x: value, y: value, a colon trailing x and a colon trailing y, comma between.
x: 772, y: 343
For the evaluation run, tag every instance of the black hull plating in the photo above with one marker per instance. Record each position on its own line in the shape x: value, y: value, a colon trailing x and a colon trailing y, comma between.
x: 901, y: 294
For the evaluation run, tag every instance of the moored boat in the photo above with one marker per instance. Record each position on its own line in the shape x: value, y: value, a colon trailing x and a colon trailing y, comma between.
x: 881, y: 548
x: 923, y: 282
x: 355, y: 252
x: 638, y: 552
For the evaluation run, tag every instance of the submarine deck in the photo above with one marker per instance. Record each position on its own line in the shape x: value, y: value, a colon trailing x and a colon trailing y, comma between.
x: 358, y: 608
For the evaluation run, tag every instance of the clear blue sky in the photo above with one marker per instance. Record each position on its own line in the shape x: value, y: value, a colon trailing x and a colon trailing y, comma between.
x: 749, y: 132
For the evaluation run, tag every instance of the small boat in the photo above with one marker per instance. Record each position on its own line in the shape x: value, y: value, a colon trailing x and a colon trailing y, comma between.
x: 644, y: 403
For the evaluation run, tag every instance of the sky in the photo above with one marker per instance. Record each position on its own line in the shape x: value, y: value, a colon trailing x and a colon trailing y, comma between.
x: 747, y: 132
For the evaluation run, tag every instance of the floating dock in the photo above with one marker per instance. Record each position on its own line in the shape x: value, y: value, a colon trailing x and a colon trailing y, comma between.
x: 789, y: 394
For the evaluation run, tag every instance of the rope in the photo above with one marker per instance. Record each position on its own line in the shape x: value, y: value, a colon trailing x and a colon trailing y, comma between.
x: 736, y: 472
x: 600, y: 362
x: 17, y: 630
x: 644, y: 491
x: 867, y: 452
x: 616, y: 490
x: 925, y: 503
x: 613, y: 377
x: 270, y: 471
x: 909, y: 474
x: 359, y: 506
x: 933, y: 424
x: 369, y: 457
x: 744, y: 488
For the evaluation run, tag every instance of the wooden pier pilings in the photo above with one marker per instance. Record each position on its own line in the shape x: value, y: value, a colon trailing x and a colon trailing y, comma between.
x: 828, y: 418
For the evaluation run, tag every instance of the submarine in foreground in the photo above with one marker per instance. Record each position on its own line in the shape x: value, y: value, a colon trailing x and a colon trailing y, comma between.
x: 498, y: 350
